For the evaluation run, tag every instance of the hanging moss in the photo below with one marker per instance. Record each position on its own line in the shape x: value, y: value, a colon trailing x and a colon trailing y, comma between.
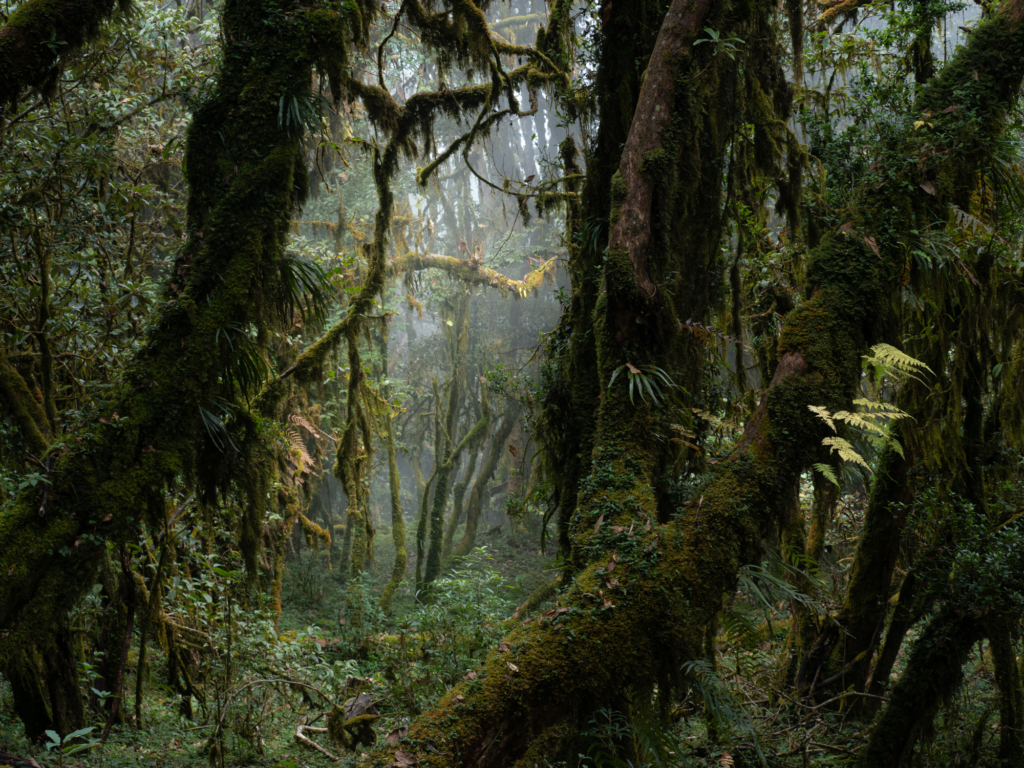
x: 166, y: 418
x: 27, y: 57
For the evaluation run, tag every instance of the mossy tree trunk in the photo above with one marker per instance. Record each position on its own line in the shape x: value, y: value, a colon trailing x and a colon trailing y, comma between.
x: 572, y: 387
x: 394, y: 480
x: 645, y: 591
x: 842, y: 655
x: 246, y: 173
x: 934, y: 671
x: 450, y: 448
x: 474, y: 506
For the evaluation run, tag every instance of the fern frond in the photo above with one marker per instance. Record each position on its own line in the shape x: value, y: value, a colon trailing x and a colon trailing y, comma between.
x: 823, y: 414
x: 828, y: 473
x: 846, y: 451
x: 299, y: 445
x: 896, y: 363
x: 864, y: 421
x: 883, y: 409
x: 964, y: 220
x: 300, y: 421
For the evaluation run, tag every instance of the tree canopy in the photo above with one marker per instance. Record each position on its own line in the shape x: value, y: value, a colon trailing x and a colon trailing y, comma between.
x: 450, y: 383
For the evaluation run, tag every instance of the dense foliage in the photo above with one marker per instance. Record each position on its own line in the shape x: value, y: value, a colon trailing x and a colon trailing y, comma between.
x: 634, y: 383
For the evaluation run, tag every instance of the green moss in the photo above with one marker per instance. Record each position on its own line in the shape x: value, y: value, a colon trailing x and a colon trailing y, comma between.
x: 246, y: 176
x: 26, y: 59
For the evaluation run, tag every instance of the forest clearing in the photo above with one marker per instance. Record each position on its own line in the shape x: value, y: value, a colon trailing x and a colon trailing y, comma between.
x: 523, y: 384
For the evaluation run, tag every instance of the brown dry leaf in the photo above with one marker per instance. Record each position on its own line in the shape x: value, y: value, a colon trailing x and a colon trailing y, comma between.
x: 511, y: 666
x: 617, y: 529
x: 554, y: 613
x: 597, y: 525
x: 928, y: 187
x: 395, y: 736
x: 847, y: 227
x: 404, y: 759
x: 469, y: 676
x: 632, y: 368
x: 873, y: 245
x: 726, y: 760
x: 504, y: 646
x: 459, y: 699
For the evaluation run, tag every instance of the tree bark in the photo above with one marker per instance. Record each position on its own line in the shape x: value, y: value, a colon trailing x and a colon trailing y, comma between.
x: 246, y: 174
x: 644, y: 592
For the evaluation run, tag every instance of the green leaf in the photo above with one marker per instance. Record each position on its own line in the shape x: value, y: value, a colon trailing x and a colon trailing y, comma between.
x: 828, y: 473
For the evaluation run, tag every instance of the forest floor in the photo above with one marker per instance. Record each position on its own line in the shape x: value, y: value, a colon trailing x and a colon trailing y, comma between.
x: 421, y: 650
x: 313, y: 600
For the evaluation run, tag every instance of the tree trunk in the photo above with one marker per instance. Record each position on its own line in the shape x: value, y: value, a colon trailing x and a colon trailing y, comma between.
x: 397, y: 520
x: 476, y: 496
x: 933, y: 673
x: 644, y: 592
x: 246, y: 174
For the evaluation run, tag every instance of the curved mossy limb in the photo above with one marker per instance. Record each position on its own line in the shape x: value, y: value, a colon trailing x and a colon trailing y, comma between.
x: 246, y: 176
x: 17, y: 401
x: 471, y: 273
x: 934, y: 672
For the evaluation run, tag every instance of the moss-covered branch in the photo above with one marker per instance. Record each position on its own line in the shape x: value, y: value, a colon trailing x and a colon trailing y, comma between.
x: 660, y: 584
x: 472, y: 272
x: 39, y: 33
x: 165, y: 419
x: 28, y: 414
